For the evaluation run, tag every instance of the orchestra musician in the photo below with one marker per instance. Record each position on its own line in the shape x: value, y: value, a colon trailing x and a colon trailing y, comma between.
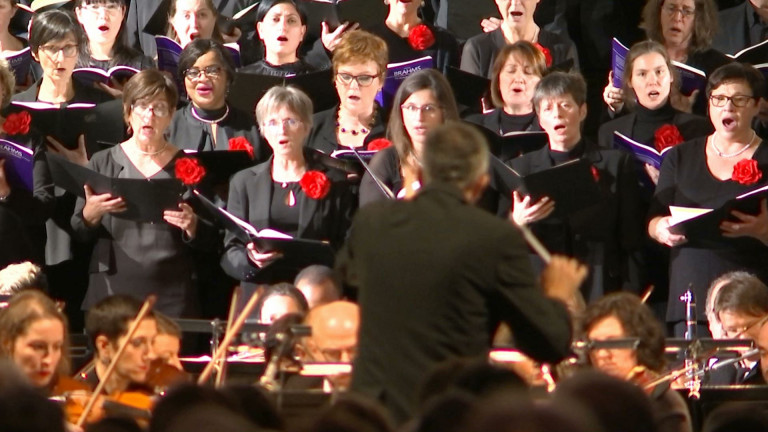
x: 623, y: 315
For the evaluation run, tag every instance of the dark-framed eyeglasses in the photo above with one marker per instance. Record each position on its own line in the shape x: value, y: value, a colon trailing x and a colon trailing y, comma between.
x: 362, y: 80
x: 736, y: 100
x: 212, y: 71
x: 69, y: 50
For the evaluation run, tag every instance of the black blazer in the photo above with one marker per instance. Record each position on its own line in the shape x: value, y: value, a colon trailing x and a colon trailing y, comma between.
x: 322, y: 137
x: 480, y: 51
x: 608, y: 234
x: 435, y: 275
x: 732, y: 34
x: 188, y: 133
x: 690, y: 126
x: 250, y: 198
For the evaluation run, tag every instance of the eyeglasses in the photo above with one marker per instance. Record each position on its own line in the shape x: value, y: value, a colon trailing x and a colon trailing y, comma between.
x: 671, y: 10
x: 429, y: 110
x: 289, y: 123
x: 736, y: 100
x: 159, y: 110
x: 69, y: 50
x: 362, y: 80
x: 109, y: 8
x: 212, y: 71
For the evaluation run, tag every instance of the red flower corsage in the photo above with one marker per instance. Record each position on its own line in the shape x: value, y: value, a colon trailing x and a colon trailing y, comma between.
x: 189, y: 171
x: 421, y: 37
x: 315, y: 184
x: 667, y: 135
x: 746, y: 172
x: 241, y: 144
x: 17, y: 123
x: 379, y: 144
x: 544, y: 50
x: 595, y: 173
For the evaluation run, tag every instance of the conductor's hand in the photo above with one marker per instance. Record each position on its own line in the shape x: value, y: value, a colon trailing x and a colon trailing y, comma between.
x: 660, y: 232
x: 562, y: 278
x: 186, y: 219
x: 490, y: 24
x: 524, y: 211
x: 96, y: 206
x: 259, y: 259
x: 748, y: 225
x: 612, y: 96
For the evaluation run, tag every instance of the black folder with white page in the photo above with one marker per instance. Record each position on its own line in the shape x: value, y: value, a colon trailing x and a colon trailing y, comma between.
x: 299, y: 252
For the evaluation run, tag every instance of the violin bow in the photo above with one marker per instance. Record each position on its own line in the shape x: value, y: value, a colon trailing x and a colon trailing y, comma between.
x: 227, y: 339
x: 145, y: 308
x: 222, y: 370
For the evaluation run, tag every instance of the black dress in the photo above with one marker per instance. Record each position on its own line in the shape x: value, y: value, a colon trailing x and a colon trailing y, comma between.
x: 686, y: 180
x: 480, y: 51
x: 502, y: 123
x: 188, y: 132
x: 444, y: 52
x: 386, y: 166
x: 136, y: 258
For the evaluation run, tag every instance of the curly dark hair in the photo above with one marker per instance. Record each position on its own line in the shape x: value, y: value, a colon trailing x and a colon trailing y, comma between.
x: 636, y: 319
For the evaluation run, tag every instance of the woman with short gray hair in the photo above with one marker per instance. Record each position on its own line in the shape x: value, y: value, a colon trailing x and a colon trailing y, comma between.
x: 291, y: 192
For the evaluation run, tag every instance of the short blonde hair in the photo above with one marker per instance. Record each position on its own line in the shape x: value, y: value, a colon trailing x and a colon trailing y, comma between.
x: 285, y: 96
x: 7, y: 82
x: 359, y: 46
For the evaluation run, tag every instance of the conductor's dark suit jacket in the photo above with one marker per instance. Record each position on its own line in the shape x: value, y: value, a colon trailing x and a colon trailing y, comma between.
x: 435, y: 275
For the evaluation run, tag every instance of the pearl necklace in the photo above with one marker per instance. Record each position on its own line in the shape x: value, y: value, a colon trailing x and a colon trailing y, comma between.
x: 737, y: 152
x: 157, y: 152
x: 197, y: 116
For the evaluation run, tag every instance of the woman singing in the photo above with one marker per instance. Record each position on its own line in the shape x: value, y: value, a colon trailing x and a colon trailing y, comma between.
x: 704, y: 173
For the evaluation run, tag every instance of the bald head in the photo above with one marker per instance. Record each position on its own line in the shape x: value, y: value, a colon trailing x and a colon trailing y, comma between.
x: 334, y: 332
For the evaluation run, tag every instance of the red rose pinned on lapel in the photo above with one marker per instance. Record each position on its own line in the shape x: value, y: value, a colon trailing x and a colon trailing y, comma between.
x: 241, y: 144
x: 595, y: 173
x: 189, y: 171
x: 17, y: 123
x: 544, y: 50
x: 746, y: 172
x: 421, y: 37
x: 315, y: 184
x: 379, y: 144
x: 667, y: 135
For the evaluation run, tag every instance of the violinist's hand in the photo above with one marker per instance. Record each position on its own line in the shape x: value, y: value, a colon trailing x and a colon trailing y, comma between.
x: 330, y: 38
x: 77, y: 155
x: 652, y: 172
x: 96, y: 206
x: 561, y: 280
x: 612, y: 96
x: 748, y: 225
x: 524, y: 212
x: 682, y: 102
x: 5, y: 188
x: 259, y: 259
x: 490, y: 24
x: 658, y: 228
x: 186, y: 219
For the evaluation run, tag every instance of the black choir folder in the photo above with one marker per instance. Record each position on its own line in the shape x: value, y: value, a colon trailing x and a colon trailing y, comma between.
x: 299, y: 252
x: 513, y: 144
x: 468, y: 88
x: 248, y: 88
x: 146, y: 200
x: 571, y: 185
x: 367, y: 13
x: 220, y: 165
x: 703, y: 225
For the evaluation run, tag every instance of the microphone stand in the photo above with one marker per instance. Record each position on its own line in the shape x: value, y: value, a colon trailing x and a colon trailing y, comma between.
x: 384, y: 189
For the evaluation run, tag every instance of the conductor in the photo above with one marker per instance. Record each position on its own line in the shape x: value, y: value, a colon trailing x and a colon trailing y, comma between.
x: 435, y: 276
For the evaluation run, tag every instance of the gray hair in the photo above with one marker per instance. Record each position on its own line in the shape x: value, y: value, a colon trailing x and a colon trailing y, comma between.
x: 743, y: 293
x: 285, y: 97
x: 19, y: 277
x: 558, y: 84
x: 455, y: 153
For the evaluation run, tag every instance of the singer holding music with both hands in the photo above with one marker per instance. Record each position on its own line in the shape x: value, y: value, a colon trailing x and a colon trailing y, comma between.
x: 140, y: 258
x: 705, y: 173
x: 291, y: 192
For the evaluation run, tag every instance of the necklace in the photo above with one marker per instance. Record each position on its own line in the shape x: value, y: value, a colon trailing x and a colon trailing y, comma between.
x: 356, y: 132
x: 734, y: 154
x: 156, y: 152
x: 197, y: 116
